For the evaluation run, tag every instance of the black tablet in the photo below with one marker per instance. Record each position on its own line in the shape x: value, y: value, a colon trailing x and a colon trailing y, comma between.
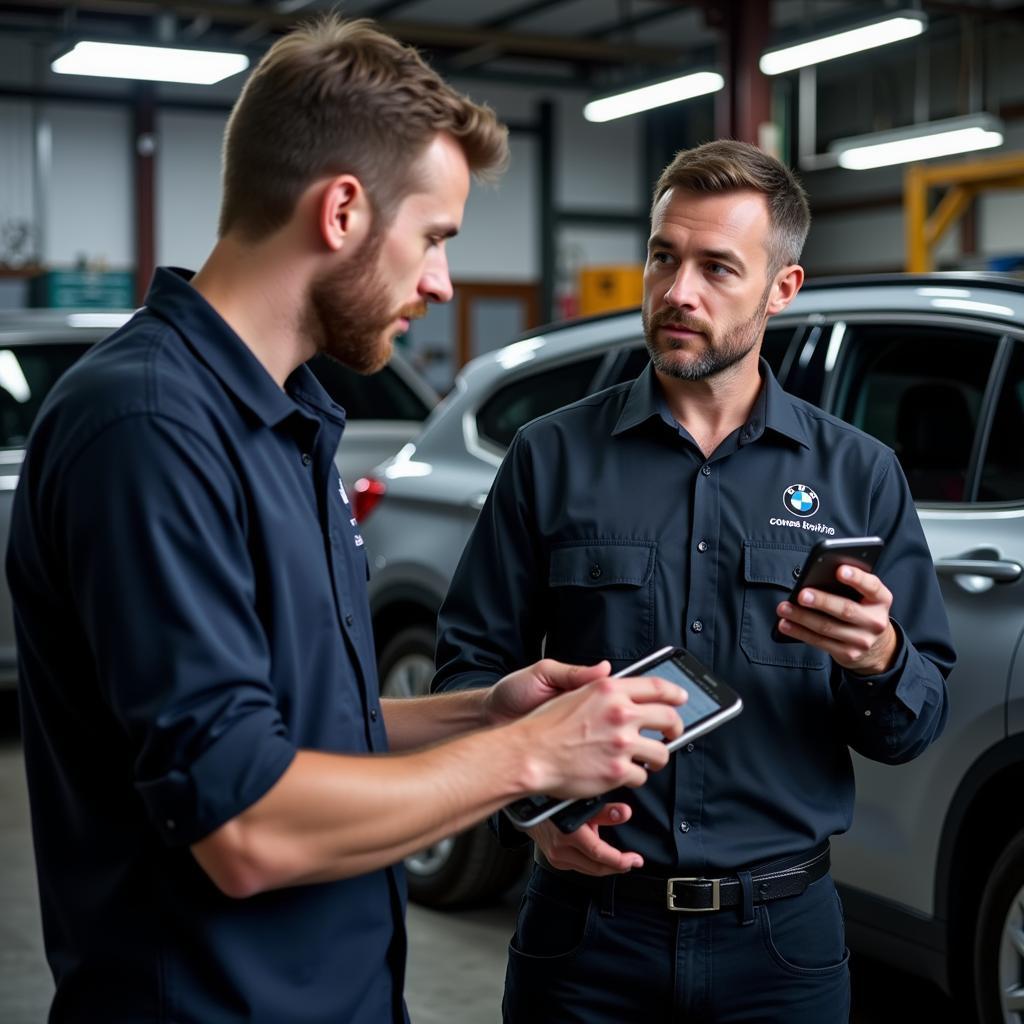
x: 710, y: 703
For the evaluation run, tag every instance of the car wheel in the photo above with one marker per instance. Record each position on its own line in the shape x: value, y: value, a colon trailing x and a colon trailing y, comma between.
x: 999, y: 940
x: 467, y: 868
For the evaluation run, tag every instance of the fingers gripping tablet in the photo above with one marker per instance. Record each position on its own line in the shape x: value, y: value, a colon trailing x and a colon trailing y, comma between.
x: 710, y: 703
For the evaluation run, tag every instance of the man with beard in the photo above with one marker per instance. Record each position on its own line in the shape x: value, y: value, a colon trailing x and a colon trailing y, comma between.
x: 214, y: 819
x: 677, y: 509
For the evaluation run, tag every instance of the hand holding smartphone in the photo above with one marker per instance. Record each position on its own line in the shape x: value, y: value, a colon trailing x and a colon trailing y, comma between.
x: 711, y: 702
x: 823, y: 562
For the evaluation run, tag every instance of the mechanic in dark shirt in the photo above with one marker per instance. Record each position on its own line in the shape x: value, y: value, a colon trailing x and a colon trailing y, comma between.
x: 677, y: 509
x: 214, y: 821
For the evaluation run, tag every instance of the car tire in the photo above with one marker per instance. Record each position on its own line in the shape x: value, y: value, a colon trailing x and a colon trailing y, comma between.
x: 999, y: 940
x: 469, y: 868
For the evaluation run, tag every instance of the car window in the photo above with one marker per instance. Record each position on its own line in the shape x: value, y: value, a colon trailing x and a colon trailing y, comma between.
x: 918, y: 389
x: 380, y: 396
x: 27, y: 372
x: 631, y: 367
x: 529, y: 397
x: 1002, y: 469
x: 776, y: 344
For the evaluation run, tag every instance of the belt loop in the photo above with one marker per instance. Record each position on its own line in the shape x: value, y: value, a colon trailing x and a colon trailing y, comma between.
x: 747, y: 898
x: 606, y: 897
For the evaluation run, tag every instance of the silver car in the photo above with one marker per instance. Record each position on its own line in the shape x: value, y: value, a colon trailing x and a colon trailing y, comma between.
x: 932, y: 871
x: 37, y: 346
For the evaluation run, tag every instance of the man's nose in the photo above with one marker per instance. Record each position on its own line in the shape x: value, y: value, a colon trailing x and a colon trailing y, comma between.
x: 682, y: 292
x: 436, y: 283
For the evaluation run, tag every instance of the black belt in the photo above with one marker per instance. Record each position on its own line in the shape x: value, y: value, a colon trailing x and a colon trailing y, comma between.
x: 787, y: 876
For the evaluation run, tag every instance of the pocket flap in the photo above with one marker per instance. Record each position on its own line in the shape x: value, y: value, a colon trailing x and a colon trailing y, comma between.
x: 777, y: 564
x: 602, y: 564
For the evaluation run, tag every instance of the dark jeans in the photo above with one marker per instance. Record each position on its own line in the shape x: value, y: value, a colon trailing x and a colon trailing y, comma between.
x: 580, y: 954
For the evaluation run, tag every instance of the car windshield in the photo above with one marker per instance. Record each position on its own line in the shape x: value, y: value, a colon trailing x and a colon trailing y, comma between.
x: 27, y: 372
x: 379, y: 396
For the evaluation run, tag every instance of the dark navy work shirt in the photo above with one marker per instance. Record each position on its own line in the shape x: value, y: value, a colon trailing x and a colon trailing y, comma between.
x: 608, y: 534
x: 189, y: 591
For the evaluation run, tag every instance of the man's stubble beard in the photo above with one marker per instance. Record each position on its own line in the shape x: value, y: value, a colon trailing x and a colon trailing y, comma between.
x: 718, y: 356
x: 348, y: 311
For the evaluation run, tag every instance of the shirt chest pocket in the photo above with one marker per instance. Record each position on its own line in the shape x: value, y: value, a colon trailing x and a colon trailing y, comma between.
x: 601, y: 597
x: 769, y: 571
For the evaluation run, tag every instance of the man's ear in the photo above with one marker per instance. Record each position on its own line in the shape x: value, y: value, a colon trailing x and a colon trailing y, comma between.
x: 343, y: 213
x: 787, y: 284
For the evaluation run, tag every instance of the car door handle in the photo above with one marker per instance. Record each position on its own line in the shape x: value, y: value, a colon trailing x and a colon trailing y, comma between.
x: 997, y: 570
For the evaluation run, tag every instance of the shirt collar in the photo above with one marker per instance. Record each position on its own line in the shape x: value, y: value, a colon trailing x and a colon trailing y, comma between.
x: 173, y: 299
x: 774, y: 409
x: 642, y: 402
x: 780, y: 410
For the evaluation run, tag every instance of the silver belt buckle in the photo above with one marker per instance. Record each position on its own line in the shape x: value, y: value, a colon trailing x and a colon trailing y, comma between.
x: 715, y: 895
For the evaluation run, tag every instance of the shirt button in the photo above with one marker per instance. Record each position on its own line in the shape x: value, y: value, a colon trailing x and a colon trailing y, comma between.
x: 696, y: 625
x: 706, y: 469
x: 306, y: 458
x: 796, y: 572
x: 595, y: 572
x: 349, y: 620
x: 171, y: 824
x: 702, y: 546
x: 867, y: 714
x: 373, y: 714
x: 684, y: 826
x: 689, y: 748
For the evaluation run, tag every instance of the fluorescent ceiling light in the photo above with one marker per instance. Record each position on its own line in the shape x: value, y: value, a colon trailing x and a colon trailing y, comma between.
x: 893, y: 28
x: 671, y: 90
x: 149, y: 63
x: 919, y: 142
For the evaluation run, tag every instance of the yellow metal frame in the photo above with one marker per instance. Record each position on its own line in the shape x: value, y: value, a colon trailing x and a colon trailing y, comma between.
x: 963, y: 183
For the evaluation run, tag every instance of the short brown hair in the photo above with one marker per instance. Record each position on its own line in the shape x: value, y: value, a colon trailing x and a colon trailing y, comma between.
x: 727, y: 166
x: 341, y: 97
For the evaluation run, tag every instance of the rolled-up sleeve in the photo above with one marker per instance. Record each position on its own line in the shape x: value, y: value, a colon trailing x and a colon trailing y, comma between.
x: 164, y: 586
x: 893, y: 717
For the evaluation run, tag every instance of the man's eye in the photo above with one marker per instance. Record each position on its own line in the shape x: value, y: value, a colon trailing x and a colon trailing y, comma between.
x: 659, y: 257
x: 719, y: 269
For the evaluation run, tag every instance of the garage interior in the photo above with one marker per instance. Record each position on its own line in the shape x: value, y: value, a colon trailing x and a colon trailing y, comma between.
x: 103, y: 179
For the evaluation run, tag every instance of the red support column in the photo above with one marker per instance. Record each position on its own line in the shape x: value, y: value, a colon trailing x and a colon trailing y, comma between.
x: 745, y: 102
x: 144, y: 158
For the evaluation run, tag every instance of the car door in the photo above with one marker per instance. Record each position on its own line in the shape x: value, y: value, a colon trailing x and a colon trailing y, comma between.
x: 30, y: 364
x: 1001, y: 487
x: 925, y: 386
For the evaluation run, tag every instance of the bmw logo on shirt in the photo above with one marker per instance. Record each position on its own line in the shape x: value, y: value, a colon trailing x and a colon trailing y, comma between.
x: 800, y: 500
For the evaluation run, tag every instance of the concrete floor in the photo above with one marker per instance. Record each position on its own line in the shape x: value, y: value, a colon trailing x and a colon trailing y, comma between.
x: 456, y: 960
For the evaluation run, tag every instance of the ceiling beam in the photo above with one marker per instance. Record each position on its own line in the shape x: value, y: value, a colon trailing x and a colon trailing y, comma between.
x: 552, y: 47
x: 635, y: 22
x: 518, y: 13
x: 382, y: 10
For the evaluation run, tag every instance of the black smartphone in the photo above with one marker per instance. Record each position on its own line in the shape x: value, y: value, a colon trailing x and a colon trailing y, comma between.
x: 822, y: 562
x: 710, y: 703
x: 825, y: 558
